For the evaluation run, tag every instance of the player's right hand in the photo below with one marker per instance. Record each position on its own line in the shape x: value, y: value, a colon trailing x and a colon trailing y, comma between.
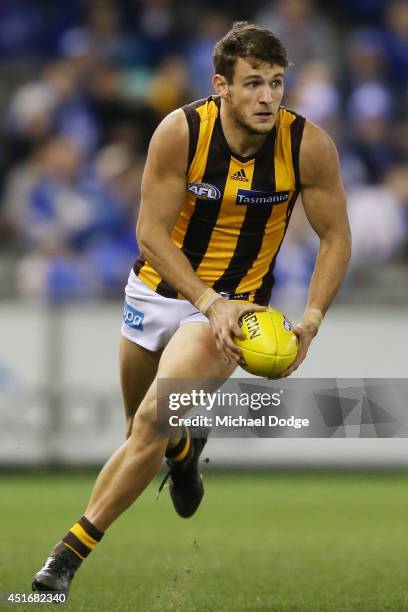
x: 224, y: 316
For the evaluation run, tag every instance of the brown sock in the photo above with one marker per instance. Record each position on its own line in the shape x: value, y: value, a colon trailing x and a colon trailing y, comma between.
x: 80, y: 540
x: 60, y: 547
x: 183, y: 451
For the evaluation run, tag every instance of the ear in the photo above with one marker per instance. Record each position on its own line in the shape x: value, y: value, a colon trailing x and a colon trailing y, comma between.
x: 220, y: 85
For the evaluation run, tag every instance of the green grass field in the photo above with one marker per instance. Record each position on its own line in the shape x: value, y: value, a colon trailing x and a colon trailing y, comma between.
x: 260, y: 542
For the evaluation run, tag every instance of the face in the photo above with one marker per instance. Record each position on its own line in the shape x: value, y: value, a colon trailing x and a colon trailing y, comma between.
x: 254, y: 96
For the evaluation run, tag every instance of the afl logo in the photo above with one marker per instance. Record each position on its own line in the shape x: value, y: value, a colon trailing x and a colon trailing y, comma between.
x: 204, y: 191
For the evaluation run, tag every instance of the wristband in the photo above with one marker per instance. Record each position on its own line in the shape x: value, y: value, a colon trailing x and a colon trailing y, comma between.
x: 206, y: 300
x: 314, y: 315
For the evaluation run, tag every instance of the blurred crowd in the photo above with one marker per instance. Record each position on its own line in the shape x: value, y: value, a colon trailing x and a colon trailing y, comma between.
x: 84, y: 83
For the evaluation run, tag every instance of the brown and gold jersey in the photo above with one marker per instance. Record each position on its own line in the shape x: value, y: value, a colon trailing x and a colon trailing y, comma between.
x: 236, y: 209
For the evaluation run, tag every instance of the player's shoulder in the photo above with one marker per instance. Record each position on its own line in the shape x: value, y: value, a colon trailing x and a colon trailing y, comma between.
x: 169, y: 144
x: 173, y: 128
x: 171, y: 139
x: 175, y: 124
x: 315, y: 139
x: 318, y: 153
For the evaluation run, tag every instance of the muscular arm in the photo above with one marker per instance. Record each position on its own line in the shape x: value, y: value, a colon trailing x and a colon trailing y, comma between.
x: 324, y: 202
x: 163, y: 193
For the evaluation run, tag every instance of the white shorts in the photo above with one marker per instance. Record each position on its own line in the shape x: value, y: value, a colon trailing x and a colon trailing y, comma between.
x: 149, y: 319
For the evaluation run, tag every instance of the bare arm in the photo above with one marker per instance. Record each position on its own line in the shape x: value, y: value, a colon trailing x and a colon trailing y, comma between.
x: 163, y: 193
x: 324, y: 203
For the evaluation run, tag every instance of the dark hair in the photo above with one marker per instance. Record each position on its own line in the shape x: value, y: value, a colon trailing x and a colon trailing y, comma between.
x: 247, y: 40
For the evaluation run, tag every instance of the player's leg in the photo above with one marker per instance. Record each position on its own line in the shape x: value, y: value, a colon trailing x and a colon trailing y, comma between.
x: 183, y: 453
x: 191, y: 353
x: 138, y: 368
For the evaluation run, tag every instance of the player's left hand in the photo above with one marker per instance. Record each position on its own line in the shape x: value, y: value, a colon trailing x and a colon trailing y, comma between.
x: 305, y: 332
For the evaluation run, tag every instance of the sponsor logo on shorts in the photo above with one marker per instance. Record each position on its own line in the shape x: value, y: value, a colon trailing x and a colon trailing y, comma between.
x: 132, y: 318
x: 287, y: 324
x: 204, y: 191
x: 270, y: 198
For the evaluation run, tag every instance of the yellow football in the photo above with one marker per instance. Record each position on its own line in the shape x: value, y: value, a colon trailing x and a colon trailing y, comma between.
x: 270, y: 345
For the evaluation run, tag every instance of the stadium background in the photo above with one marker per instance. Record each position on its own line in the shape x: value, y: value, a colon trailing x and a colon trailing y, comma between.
x: 82, y: 86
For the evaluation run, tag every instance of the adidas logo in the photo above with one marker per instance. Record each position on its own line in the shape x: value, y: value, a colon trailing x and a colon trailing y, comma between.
x: 240, y: 176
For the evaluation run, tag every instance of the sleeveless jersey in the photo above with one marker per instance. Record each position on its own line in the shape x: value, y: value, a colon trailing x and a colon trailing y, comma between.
x: 236, y: 209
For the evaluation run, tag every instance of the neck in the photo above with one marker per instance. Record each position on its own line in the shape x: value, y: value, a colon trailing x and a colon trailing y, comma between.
x: 240, y: 140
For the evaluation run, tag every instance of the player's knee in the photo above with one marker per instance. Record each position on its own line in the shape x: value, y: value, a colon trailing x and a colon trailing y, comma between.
x: 145, y: 420
x: 144, y: 437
